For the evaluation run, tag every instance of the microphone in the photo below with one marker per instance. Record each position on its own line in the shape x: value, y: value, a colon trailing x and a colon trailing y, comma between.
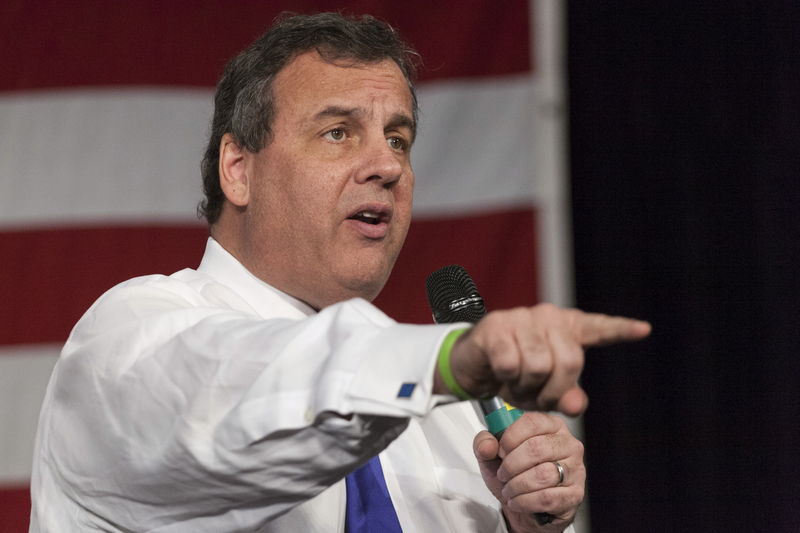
x: 453, y: 297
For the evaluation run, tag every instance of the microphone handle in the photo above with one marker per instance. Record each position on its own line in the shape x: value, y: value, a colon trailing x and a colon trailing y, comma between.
x: 498, y: 415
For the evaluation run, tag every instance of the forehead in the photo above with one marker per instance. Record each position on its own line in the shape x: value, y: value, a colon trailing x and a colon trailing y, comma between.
x: 309, y: 83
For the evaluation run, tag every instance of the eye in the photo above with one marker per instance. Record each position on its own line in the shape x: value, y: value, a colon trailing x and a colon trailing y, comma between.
x: 335, y: 135
x: 397, y: 143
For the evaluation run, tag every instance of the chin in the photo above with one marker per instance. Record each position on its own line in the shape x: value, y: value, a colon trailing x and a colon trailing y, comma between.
x: 367, y: 289
x: 366, y: 283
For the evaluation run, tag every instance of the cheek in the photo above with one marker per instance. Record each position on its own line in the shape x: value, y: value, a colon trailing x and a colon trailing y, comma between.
x: 296, y: 193
x: 404, y: 197
x: 313, y: 212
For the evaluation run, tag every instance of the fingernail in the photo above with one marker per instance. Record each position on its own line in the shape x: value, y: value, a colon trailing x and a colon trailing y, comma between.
x: 481, y: 445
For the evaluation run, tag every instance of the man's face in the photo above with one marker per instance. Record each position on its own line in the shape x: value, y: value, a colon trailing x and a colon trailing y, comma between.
x: 330, y: 200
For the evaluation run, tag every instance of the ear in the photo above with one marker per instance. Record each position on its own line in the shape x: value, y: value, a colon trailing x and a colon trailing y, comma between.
x: 233, y: 171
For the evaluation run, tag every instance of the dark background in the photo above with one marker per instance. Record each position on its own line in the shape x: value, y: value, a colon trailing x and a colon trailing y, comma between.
x: 684, y: 128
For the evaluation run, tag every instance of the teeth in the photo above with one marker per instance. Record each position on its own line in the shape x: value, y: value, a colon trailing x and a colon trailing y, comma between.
x: 370, y: 217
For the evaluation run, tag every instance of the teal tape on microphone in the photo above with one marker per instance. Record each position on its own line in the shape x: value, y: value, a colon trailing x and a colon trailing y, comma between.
x: 497, y: 421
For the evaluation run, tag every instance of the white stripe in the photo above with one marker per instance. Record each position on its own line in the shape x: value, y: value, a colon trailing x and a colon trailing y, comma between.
x: 77, y: 156
x: 474, y: 146
x: 93, y: 155
x: 24, y: 373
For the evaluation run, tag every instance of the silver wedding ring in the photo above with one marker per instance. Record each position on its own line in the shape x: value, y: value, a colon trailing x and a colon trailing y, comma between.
x: 560, y: 473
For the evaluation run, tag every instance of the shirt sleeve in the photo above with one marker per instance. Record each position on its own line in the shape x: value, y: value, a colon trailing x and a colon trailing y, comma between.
x: 164, y: 407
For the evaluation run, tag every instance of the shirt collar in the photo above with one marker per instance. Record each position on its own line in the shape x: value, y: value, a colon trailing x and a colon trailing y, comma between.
x: 264, y: 298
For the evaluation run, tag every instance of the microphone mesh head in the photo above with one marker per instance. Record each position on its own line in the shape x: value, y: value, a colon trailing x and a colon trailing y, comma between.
x: 453, y: 296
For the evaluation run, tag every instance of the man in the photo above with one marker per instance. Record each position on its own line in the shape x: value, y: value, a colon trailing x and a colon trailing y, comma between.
x: 236, y: 397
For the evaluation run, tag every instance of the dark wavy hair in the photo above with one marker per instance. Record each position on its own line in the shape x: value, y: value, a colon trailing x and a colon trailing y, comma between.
x: 244, y: 104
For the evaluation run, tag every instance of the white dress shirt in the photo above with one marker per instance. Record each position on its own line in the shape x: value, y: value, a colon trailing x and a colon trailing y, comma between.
x: 208, y: 401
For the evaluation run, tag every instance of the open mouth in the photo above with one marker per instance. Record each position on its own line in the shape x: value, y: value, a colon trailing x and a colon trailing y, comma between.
x: 369, y: 217
x: 371, y: 220
x: 373, y: 215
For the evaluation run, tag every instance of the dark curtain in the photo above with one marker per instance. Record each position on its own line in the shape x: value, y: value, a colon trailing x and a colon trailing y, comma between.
x: 685, y: 156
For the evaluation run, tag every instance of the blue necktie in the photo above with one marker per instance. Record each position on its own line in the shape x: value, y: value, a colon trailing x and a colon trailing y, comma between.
x: 369, y: 507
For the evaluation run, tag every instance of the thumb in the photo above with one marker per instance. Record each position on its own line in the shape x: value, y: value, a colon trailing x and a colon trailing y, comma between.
x: 485, y: 446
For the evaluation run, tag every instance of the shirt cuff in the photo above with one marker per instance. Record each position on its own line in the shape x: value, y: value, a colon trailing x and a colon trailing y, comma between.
x: 394, y: 374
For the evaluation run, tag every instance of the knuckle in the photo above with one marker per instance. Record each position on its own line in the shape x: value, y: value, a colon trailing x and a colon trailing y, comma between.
x: 580, y: 492
x: 494, y: 317
x: 547, y: 499
x: 547, y: 307
x: 505, y: 368
x: 544, y: 309
x: 536, y: 365
x: 517, y: 312
x: 542, y: 475
x: 573, y: 316
x: 580, y: 449
x: 576, y: 495
x: 555, y: 442
x: 534, y: 419
x: 573, y: 360
x: 510, y: 489
x: 559, y: 422
x: 520, y: 485
x: 579, y: 476
x: 534, y: 447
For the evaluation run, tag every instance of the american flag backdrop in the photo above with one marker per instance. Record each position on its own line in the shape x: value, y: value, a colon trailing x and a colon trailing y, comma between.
x: 104, y: 112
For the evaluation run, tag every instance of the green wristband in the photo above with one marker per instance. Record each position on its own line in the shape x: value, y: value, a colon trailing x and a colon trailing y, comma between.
x: 445, y: 370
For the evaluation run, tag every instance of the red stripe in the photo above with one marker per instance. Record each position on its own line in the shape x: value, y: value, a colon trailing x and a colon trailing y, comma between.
x: 49, y: 44
x: 50, y: 277
x: 54, y: 275
x: 15, y: 509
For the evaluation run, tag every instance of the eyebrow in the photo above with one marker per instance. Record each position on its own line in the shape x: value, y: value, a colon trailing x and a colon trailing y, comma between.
x: 398, y: 120
x: 401, y: 120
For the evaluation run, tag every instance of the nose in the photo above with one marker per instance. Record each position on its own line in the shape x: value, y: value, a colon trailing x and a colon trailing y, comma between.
x: 381, y: 163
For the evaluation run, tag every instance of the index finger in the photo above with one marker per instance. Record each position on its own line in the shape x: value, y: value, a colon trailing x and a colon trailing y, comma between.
x: 596, y: 329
